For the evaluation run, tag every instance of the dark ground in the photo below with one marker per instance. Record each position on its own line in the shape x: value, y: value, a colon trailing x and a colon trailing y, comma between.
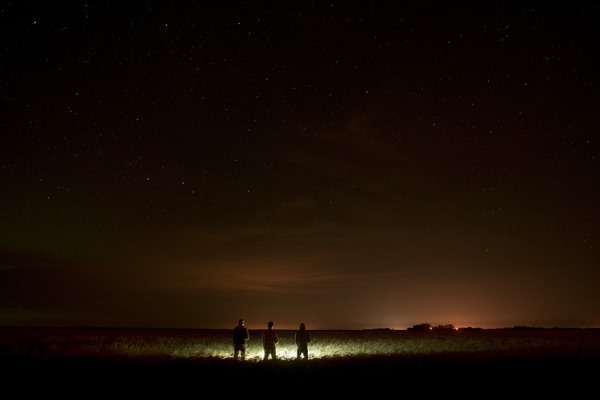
x: 462, y: 375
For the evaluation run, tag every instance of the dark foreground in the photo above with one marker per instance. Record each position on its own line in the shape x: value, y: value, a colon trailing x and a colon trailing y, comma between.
x: 494, y: 364
x: 462, y: 375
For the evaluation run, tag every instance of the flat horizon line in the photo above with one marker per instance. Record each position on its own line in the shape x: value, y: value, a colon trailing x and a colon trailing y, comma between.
x: 284, y: 329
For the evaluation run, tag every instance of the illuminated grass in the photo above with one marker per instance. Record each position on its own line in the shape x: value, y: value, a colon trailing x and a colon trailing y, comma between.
x: 142, y: 362
x: 216, y: 344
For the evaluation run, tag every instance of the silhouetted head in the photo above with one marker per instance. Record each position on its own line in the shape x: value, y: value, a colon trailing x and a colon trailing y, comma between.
x: 241, y: 321
x: 270, y: 324
x: 302, y: 327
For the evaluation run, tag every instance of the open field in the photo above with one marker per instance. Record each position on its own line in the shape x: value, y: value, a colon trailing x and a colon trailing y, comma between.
x: 502, y: 361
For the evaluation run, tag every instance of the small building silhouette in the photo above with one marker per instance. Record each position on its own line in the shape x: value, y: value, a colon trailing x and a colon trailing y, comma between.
x: 422, y: 327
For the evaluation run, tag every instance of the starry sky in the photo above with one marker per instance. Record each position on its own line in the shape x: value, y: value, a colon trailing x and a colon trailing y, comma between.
x: 348, y: 165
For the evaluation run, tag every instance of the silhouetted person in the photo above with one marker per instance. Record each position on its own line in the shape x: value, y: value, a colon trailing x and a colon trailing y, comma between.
x: 269, y: 341
x: 241, y: 335
x: 302, y: 339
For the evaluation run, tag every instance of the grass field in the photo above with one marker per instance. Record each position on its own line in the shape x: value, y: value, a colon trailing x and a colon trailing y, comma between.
x: 177, y: 361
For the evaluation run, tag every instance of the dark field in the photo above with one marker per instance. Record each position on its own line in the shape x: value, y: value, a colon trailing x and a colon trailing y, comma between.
x: 472, y: 363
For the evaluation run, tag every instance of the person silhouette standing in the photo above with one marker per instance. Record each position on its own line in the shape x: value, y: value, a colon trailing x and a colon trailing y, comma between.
x: 302, y: 338
x: 269, y: 341
x: 241, y: 335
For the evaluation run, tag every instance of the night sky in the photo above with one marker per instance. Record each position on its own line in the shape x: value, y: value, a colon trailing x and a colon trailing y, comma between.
x: 348, y: 165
